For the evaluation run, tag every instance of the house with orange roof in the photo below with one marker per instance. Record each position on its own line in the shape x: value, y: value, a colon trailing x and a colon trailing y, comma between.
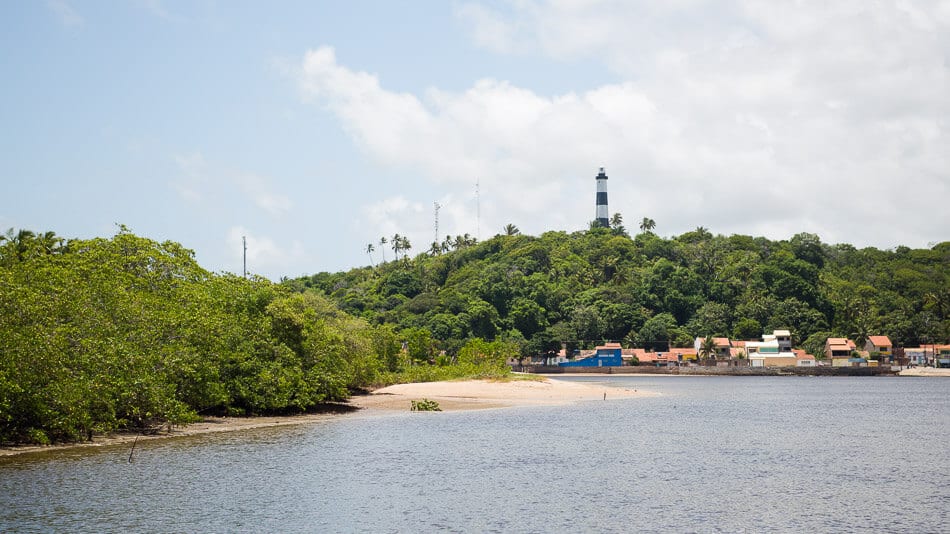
x: 880, y: 344
x: 723, y: 350
x: 803, y: 359
x: 641, y: 355
x: 839, y: 347
x: 678, y: 355
x: 838, y: 351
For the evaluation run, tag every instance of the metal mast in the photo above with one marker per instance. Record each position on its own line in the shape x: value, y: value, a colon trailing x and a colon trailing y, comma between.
x: 437, y: 206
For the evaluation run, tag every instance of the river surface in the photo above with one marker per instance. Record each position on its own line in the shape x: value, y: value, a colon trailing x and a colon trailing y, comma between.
x: 709, y: 454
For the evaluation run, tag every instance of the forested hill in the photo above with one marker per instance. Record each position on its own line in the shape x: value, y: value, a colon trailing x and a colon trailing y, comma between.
x: 601, y: 284
x: 105, y: 334
x: 126, y: 332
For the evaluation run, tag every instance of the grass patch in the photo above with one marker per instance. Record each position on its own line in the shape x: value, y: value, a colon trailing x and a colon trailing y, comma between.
x: 435, y: 373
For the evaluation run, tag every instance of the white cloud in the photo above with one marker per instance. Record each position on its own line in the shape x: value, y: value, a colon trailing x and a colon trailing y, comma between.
x: 65, y: 13
x: 757, y: 118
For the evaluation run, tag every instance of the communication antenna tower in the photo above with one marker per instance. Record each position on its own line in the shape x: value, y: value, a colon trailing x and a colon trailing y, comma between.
x: 244, y: 241
x: 437, y: 206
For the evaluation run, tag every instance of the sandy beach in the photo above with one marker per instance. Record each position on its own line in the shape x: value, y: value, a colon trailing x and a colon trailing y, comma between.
x: 925, y: 371
x: 454, y: 395
x: 481, y: 394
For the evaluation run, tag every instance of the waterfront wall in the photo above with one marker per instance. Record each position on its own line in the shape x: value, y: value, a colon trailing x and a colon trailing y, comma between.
x: 715, y: 371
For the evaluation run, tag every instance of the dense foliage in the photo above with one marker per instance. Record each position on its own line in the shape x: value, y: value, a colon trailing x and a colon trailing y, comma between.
x: 647, y: 291
x: 125, y: 332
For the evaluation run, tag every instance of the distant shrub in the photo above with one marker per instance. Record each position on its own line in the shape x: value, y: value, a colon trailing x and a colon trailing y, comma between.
x: 424, y: 405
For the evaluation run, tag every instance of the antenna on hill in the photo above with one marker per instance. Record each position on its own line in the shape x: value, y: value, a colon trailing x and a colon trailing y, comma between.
x: 244, y: 241
x: 437, y: 206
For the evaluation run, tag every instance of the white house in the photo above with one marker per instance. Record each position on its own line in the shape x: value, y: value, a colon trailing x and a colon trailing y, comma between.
x: 775, y: 350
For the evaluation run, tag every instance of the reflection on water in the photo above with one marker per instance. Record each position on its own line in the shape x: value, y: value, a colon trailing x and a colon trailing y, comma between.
x: 710, y: 454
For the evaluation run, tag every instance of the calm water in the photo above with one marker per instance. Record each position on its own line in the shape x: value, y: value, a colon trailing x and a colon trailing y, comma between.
x: 730, y: 454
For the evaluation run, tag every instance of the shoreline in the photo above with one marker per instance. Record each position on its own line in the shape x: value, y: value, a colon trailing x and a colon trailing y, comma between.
x: 924, y: 371
x: 461, y: 395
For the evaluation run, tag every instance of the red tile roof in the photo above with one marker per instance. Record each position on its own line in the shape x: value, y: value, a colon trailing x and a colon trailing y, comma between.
x: 802, y: 355
x: 647, y: 357
x: 840, y: 341
x: 880, y: 341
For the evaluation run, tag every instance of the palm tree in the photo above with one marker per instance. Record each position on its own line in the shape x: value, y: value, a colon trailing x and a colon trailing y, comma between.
x: 939, y: 301
x: 396, y: 243
x: 435, y: 249
x: 647, y: 224
x: 621, y: 276
x: 511, y: 229
x: 609, y: 266
x: 369, y: 252
x: 382, y: 250
x: 22, y: 242
x: 740, y: 355
x: 707, y: 348
x: 462, y: 241
x: 616, y: 225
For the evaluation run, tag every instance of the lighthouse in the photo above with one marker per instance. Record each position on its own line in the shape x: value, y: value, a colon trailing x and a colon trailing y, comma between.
x: 602, y: 217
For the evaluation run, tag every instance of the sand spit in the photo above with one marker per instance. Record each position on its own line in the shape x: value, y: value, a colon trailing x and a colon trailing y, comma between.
x: 480, y: 394
x: 455, y: 395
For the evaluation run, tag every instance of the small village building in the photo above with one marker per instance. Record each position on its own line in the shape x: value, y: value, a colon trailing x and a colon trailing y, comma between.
x: 723, y: 350
x: 881, y: 345
x: 647, y: 358
x: 802, y: 359
x: 918, y: 355
x: 775, y: 350
x: 637, y: 357
x: 758, y: 351
x: 784, y: 338
x: 608, y: 355
x: 550, y: 358
x: 783, y: 359
x: 942, y: 356
x: 677, y: 356
x: 839, y: 348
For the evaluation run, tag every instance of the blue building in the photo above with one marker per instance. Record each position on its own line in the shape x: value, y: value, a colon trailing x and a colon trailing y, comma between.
x: 608, y: 355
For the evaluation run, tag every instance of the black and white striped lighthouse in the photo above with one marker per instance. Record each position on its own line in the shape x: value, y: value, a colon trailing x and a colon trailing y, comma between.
x: 602, y: 217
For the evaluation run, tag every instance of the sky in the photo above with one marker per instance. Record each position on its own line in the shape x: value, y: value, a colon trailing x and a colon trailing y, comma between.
x: 315, y: 128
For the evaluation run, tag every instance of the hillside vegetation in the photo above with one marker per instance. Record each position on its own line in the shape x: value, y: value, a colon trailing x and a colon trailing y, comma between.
x: 128, y: 333
x: 647, y: 291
